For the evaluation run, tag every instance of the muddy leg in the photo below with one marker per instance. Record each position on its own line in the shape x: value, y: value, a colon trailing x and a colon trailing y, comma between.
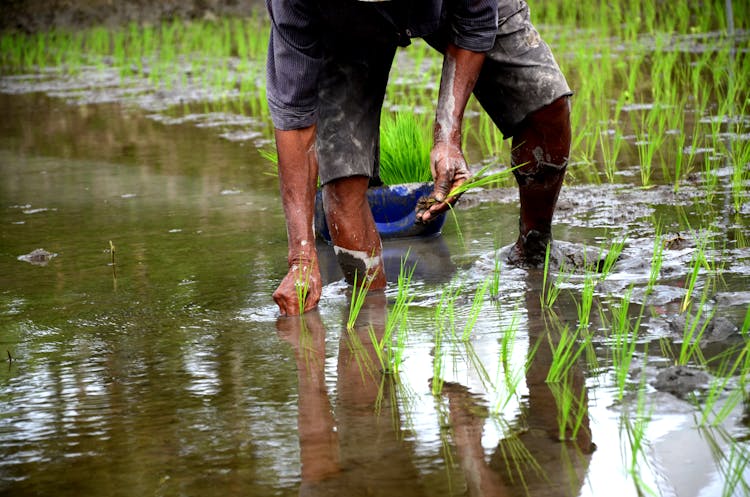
x: 355, y: 238
x: 542, y: 145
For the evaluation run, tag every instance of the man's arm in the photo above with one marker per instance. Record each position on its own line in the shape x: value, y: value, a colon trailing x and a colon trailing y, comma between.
x: 293, y: 63
x: 449, y: 169
x: 298, y: 174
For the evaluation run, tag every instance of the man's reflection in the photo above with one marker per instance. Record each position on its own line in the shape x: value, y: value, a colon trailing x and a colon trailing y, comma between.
x: 362, y: 451
x: 551, y: 456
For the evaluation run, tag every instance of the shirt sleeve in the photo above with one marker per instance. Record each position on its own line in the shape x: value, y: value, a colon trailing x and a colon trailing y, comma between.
x: 474, y: 24
x: 293, y: 64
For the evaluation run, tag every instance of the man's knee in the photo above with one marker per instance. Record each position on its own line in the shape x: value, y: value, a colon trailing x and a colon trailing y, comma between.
x: 541, y: 145
x: 345, y: 194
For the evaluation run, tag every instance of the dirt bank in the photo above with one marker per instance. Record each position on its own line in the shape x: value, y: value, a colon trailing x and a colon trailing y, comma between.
x: 39, y: 15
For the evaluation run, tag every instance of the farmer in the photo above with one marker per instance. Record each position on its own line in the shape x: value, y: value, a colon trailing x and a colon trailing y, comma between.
x: 328, y: 64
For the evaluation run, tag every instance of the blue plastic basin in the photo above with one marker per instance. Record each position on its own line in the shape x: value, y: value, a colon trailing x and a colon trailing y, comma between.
x: 394, y: 210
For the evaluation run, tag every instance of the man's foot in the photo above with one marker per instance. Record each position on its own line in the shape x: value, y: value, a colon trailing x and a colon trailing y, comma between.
x: 530, y: 250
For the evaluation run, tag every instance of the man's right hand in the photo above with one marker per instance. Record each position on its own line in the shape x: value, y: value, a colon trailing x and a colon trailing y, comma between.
x: 302, y: 282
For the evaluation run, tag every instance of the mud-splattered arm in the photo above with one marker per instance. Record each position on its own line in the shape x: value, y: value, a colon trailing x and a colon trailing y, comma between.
x: 298, y: 173
x: 449, y: 169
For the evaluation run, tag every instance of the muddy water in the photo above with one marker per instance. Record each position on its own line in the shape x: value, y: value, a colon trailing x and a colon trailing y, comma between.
x: 162, y: 368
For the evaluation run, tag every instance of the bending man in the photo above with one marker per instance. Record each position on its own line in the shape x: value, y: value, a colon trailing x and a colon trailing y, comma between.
x: 328, y: 65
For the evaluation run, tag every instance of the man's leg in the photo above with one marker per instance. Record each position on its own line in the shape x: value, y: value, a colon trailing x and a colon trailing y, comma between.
x: 541, y: 146
x: 523, y: 90
x: 352, y: 88
x: 355, y: 238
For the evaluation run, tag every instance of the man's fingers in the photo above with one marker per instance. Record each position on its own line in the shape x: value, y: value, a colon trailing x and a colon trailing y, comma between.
x: 442, y: 188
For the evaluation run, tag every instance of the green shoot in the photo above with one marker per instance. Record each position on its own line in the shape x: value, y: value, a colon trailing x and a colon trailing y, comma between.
x: 699, y: 260
x: 512, y: 377
x: 481, y: 180
x: 551, y: 292
x: 476, y: 309
x: 656, y: 260
x: 565, y: 353
x: 571, y: 409
x: 719, y: 385
x: 624, y: 339
x: 587, y: 300
x: 437, y: 362
x: 359, y: 293
x: 397, y: 317
x: 613, y: 254
x: 494, y: 286
x: 405, y: 144
x: 302, y: 286
x: 693, y: 333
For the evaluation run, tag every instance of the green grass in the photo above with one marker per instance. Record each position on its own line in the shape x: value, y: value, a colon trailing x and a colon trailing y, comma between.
x: 405, y: 144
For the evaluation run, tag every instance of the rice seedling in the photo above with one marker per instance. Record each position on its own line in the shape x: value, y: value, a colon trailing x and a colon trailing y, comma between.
x: 397, y: 317
x: 613, y: 254
x: 551, y: 292
x: 587, y: 299
x: 445, y: 311
x: 745, y: 327
x: 731, y: 458
x: 650, y: 136
x: 390, y: 358
x: 565, y: 352
x: 739, y: 154
x: 494, y: 281
x: 634, y: 426
x: 657, y: 258
x: 571, y: 409
x: 720, y: 383
x: 693, y: 333
x: 610, y: 148
x: 519, y: 462
x: 359, y: 294
x: 482, y: 179
x: 302, y: 286
x: 624, y: 339
x: 512, y: 377
x: 699, y: 261
x: 476, y: 309
x: 437, y: 362
x: 405, y: 144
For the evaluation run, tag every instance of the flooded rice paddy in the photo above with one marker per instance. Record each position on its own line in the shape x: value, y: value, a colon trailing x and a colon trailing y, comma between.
x: 142, y: 354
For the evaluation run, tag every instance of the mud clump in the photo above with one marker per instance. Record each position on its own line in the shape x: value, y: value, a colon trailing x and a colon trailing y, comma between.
x: 681, y: 380
x: 37, y: 257
x: 717, y: 329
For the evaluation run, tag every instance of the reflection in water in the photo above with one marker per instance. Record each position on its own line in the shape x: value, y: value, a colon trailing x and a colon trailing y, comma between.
x: 362, y: 451
x: 358, y: 446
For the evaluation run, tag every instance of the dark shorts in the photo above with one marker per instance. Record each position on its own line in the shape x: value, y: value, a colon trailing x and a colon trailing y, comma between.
x: 519, y: 75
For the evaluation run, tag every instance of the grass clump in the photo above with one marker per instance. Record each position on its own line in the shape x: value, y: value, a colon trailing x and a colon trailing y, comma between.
x: 405, y: 144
